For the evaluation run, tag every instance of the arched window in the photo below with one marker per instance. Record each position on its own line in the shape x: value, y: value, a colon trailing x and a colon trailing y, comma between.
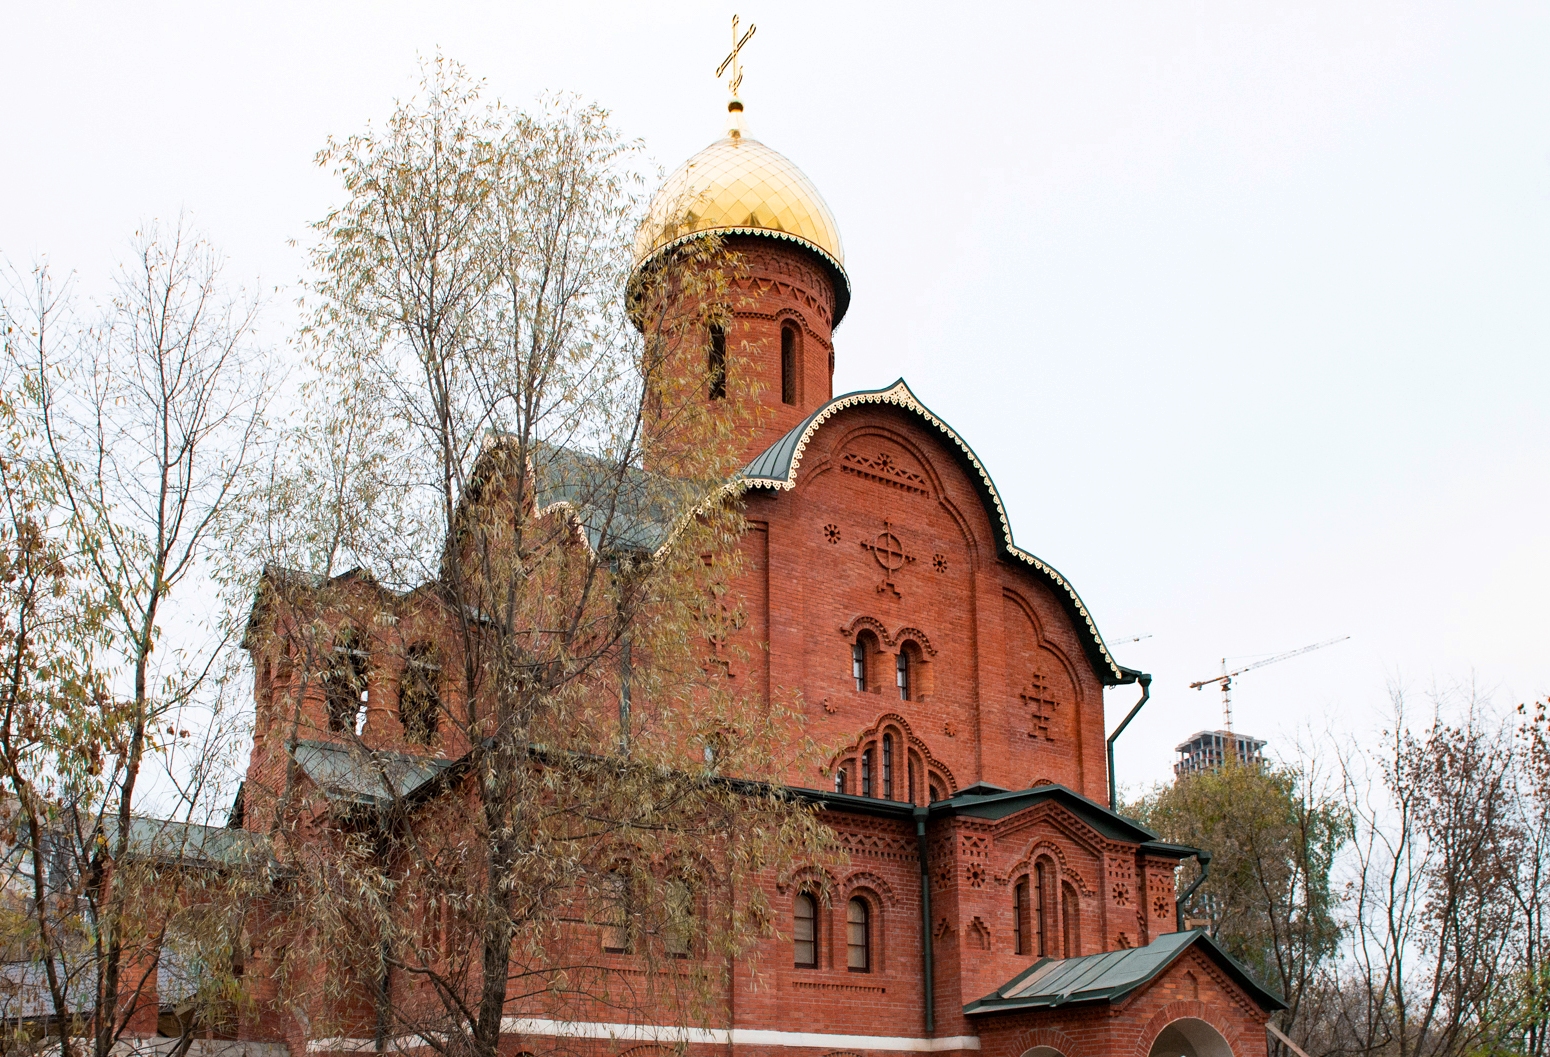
x: 858, y: 936
x: 1029, y: 913
x: 1040, y: 924
x: 936, y: 793
x: 1070, y: 920
x: 864, y: 662
x: 887, y: 766
x: 618, y: 912
x: 901, y: 676
x: 839, y: 780
x: 788, y: 364
x: 866, y: 773
x: 716, y: 363
x: 344, y: 684
x: 419, y: 697
x: 804, y: 931
x: 678, y: 929
x: 913, y: 787
x: 1022, y: 917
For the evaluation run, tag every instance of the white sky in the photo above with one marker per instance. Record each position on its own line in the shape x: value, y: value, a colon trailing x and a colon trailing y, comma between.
x: 1243, y: 304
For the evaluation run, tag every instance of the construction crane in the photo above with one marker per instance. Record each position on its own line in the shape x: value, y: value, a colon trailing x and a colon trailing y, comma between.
x: 1226, y: 678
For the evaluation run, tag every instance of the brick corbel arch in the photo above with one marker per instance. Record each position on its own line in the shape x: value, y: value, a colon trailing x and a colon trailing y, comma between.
x: 911, y: 739
x: 1180, y: 1010
x: 1054, y: 851
x: 869, y: 880
x: 809, y: 878
x: 917, y: 636
x: 1054, y: 1038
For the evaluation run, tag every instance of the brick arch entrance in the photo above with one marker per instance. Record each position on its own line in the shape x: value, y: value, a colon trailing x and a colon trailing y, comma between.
x: 1190, y: 1037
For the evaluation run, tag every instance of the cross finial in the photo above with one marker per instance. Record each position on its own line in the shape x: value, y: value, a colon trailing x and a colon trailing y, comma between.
x: 732, y: 60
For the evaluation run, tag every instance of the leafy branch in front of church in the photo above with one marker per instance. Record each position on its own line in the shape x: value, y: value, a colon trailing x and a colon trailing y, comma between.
x: 132, y: 436
x: 1399, y: 909
x: 499, y: 640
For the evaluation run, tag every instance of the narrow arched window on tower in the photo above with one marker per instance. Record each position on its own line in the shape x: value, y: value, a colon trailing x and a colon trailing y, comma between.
x: 866, y: 773
x: 887, y: 766
x: 839, y: 780
x: 858, y: 665
x: 902, y: 674
x: 788, y: 364
x: 716, y: 363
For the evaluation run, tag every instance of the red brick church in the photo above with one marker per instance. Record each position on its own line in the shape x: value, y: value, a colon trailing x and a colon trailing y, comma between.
x: 992, y: 904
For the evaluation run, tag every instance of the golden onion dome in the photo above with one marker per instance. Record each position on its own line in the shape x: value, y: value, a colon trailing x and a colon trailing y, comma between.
x: 738, y: 186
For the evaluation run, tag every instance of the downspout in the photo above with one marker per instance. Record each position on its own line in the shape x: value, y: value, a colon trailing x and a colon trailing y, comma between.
x: 1204, y: 859
x: 1146, y: 692
x: 925, y: 917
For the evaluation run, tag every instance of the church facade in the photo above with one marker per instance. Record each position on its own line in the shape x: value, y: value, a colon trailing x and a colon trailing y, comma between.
x: 992, y: 903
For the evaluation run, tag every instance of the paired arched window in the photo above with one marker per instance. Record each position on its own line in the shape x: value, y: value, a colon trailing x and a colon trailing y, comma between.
x: 716, y: 363
x: 901, y: 676
x: 789, y: 350
x: 804, y: 931
x: 858, y: 936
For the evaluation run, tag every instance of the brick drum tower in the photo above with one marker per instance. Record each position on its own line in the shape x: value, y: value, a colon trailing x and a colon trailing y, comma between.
x: 993, y: 903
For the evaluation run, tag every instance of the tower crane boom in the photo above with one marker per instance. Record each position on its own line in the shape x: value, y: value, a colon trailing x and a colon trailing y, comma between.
x: 1226, y: 678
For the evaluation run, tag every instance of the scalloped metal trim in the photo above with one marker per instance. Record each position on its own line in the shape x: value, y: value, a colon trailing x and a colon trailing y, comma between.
x: 772, y: 233
x: 899, y: 395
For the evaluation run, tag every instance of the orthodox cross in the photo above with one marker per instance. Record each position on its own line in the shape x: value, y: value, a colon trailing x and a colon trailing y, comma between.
x: 1041, y: 707
x: 732, y: 59
x: 890, y: 554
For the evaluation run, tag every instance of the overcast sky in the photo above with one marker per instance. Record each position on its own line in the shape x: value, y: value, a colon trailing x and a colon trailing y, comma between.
x: 1244, y: 305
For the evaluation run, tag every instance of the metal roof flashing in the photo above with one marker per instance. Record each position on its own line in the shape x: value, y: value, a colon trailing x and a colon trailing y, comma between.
x: 1112, y: 976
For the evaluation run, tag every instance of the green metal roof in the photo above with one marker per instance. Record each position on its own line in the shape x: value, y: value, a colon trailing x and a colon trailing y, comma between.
x: 1111, y: 976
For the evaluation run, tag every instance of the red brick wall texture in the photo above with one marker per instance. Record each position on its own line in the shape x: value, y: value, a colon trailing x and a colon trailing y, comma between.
x: 885, y: 538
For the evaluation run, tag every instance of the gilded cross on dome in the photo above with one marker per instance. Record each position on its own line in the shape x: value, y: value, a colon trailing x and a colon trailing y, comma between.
x: 732, y: 58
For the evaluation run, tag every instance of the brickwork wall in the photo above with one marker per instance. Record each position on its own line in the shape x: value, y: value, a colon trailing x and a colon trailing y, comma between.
x: 885, y: 541
x: 1003, y: 691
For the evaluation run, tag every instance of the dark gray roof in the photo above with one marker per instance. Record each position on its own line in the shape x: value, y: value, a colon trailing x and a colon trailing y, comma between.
x: 776, y: 468
x: 193, y: 844
x: 993, y: 805
x: 358, y: 775
x: 1111, y: 976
